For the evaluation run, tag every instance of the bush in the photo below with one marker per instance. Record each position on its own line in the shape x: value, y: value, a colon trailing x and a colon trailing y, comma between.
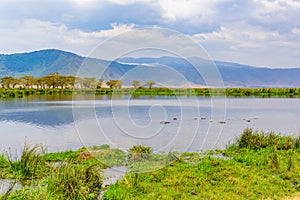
x: 67, y: 181
x: 257, y: 140
x: 30, y: 165
x: 3, y: 166
x: 297, y: 142
x: 250, y: 139
x: 73, y: 181
x: 101, y: 147
x: 139, y: 152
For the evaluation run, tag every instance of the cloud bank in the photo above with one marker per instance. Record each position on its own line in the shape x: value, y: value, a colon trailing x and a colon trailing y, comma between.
x: 255, y: 32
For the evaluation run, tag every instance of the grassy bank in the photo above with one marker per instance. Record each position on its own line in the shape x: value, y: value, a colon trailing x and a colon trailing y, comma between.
x: 59, y: 175
x: 230, y: 92
x: 256, y: 166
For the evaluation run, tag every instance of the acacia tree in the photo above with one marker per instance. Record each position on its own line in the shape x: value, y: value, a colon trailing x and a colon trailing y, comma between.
x: 70, y: 81
x: 119, y: 84
x: 89, y: 82
x: 9, y: 81
x: 52, y: 80
x: 40, y: 82
x: 136, y: 84
x: 6, y: 81
x: 27, y: 81
x: 150, y: 83
x: 114, y: 84
x: 100, y: 83
x: 62, y: 82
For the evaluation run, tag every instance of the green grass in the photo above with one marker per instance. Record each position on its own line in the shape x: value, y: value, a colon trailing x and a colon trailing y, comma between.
x: 206, y: 92
x: 61, y: 156
x: 257, y: 140
x: 29, y: 166
x: 67, y: 181
x: 210, y: 179
x: 259, y: 166
x: 256, y: 165
x: 102, y: 154
x: 3, y: 165
x: 58, y: 175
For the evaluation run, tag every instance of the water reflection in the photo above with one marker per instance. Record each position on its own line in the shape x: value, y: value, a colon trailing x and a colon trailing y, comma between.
x: 51, y: 120
x: 57, y: 110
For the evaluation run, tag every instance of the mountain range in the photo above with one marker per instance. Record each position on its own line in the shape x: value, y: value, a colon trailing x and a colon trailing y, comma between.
x: 170, y: 71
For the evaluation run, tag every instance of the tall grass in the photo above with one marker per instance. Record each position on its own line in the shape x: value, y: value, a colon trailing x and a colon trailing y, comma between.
x: 70, y: 178
x: 257, y: 140
x: 30, y: 164
x: 297, y: 142
x: 3, y: 165
x: 74, y: 181
x: 258, y: 166
x: 69, y: 181
x: 139, y: 152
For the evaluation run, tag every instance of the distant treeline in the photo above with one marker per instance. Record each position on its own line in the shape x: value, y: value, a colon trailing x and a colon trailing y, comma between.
x: 55, y: 83
x: 135, y: 92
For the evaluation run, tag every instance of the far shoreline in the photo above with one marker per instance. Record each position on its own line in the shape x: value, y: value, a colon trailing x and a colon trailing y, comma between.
x: 7, y: 93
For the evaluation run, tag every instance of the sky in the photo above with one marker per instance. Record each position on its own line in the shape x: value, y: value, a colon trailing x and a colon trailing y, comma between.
x: 262, y: 33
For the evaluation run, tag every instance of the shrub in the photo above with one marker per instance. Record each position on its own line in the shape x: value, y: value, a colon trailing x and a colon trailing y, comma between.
x: 297, y: 142
x: 30, y: 165
x: 257, y: 140
x: 139, y: 152
x: 103, y: 146
x: 3, y: 166
x: 67, y: 181
x: 250, y: 139
x: 73, y: 181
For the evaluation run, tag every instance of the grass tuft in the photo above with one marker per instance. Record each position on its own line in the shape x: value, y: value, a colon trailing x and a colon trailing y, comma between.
x: 30, y: 165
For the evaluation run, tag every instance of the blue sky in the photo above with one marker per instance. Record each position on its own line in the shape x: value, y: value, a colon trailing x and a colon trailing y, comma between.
x: 255, y: 32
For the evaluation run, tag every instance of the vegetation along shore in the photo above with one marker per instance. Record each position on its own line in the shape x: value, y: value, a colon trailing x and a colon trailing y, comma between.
x: 256, y: 165
x: 56, y: 84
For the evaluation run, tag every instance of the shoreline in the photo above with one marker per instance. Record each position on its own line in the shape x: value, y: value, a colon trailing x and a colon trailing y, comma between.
x: 204, y: 92
x: 257, y: 165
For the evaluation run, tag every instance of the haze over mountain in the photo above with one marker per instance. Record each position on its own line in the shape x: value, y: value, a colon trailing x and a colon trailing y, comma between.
x: 40, y: 63
x: 233, y: 74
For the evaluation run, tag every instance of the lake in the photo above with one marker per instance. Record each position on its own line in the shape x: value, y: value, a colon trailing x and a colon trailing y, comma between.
x: 162, y: 122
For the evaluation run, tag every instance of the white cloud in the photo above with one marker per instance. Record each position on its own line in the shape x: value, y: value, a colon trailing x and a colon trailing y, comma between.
x: 296, y: 31
x: 241, y: 31
x: 279, y: 4
x: 254, y: 45
x: 32, y: 34
x: 185, y: 9
x: 116, y: 29
x: 126, y: 2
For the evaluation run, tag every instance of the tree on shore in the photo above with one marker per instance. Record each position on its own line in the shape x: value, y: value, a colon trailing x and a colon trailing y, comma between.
x: 57, y: 81
x: 27, y: 81
x: 40, y: 83
x: 114, y: 84
x: 89, y: 83
x: 9, y: 82
x: 136, y: 84
x: 150, y: 83
x: 52, y: 80
x: 100, y: 83
x: 70, y: 81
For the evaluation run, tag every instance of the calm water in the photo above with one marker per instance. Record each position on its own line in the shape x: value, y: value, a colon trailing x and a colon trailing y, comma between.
x: 61, y: 123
